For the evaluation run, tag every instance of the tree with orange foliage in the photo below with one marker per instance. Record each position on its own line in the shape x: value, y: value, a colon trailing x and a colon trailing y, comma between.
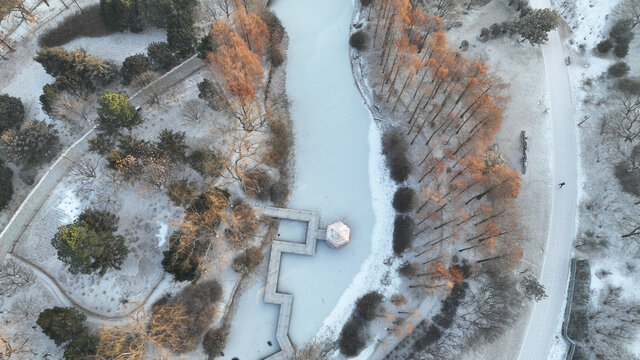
x: 252, y: 29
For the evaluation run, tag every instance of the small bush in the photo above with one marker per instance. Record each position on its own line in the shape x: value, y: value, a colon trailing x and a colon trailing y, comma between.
x: 206, y: 162
x: 618, y: 69
x: 276, y: 30
x: 257, y: 184
x: 247, y: 260
x: 6, y: 186
x: 578, y: 328
x: 243, y: 223
x: 367, y: 305
x: 280, y: 144
x: 279, y: 193
x: 403, y: 199
x: 395, y: 148
x: 358, y: 40
x: 629, y: 179
x: 134, y: 66
x: 496, y: 30
x: 161, y: 57
x: 215, y: 341
x: 484, y: 34
x: 604, y: 46
x: 407, y: 269
x: 621, y: 50
x: 86, y: 23
x: 181, y: 192
x: 430, y: 336
x: 198, y: 298
x: 275, y: 56
x: 629, y: 85
x: 351, y: 341
x: 402, y: 233
x: 11, y: 112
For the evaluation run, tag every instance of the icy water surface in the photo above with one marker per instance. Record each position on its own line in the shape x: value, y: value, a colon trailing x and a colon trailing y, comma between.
x: 333, y: 130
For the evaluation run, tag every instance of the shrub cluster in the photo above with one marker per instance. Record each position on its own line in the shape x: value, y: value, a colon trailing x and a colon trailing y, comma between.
x: 629, y: 176
x: 256, y: 184
x: 178, y: 323
x: 86, y: 23
x: 206, y: 162
x: 395, y: 150
x: 403, y: 227
x: 578, y: 327
x: 354, y: 333
x: 75, y: 72
x: 214, y: 341
x: 629, y: 85
x: 427, y: 334
x: 243, y: 223
x: 6, y: 186
x: 621, y: 35
x: 11, y: 112
x: 187, y: 245
x: 619, y: 69
x: 403, y: 199
x: 65, y: 326
x: 133, y: 66
x: 247, y: 260
x: 358, y: 40
x: 37, y: 142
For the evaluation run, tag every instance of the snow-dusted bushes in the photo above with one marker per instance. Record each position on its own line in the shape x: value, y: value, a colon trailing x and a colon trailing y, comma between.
x: 394, y: 148
x: 403, y: 199
x: 355, y: 331
x: 214, y: 341
x: 358, y: 40
x: 6, y: 185
x: 402, y: 233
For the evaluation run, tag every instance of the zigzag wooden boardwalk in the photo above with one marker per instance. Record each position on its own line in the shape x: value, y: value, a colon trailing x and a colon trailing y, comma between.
x: 271, y: 294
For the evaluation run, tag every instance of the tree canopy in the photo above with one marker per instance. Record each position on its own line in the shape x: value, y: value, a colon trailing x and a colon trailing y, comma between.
x: 89, y: 245
x: 535, y: 26
x: 116, y: 111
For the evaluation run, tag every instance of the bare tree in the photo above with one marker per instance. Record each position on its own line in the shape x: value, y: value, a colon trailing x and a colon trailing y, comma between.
x: 624, y: 121
x: 28, y: 306
x: 74, y: 107
x: 193, y: 110
x: 628, y: 10
x: 84, y: 173
x: 615, y: 322
x: 14, y: 276
x: 12, y: 344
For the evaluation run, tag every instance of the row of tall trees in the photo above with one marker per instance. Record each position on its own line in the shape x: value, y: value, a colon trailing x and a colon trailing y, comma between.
x: 451, y: 108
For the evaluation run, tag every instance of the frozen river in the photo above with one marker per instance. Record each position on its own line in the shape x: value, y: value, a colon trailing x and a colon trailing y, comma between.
x: 338, y: 174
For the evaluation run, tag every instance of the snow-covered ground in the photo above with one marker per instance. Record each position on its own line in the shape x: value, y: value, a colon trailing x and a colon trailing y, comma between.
x: 339, y: 173
x: 116, y: 47
x: 604, y: 207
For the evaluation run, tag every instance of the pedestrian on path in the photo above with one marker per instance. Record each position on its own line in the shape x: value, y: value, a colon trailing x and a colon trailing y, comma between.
x: 561, y: 184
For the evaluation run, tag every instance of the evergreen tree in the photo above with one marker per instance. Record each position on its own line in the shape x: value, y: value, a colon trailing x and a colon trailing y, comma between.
x: 86, y: 249
x: 11, y: 112
x: 61, y: 324
x: 37, y: 142
x: 161, y: 56
x: 6, y: 186
x: 115, y: 111
x: 535, y: 26
x: 133, y: 66
x: 173, y: 144
x: 181, y: 32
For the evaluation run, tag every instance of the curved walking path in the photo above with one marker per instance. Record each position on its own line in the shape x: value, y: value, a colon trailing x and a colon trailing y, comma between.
x: 554, y: 276
x: 23, y: 216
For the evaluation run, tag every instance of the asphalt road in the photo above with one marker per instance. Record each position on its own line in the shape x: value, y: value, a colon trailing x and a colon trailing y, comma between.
x: 545, y: 315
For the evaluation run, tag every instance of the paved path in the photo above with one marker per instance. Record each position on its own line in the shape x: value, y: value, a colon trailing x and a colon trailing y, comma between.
x: 544, y: 317
x: 271, y: 294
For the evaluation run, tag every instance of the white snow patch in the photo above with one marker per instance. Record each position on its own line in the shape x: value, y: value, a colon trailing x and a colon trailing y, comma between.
x: 559, y: 347
x: 116, y: 47
x: 70, y: 206
x: 162, y: 232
